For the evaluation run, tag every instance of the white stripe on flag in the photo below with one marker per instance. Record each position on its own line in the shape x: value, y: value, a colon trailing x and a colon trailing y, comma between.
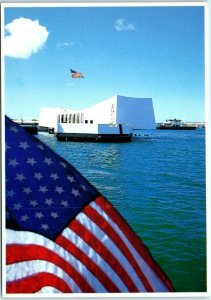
x: 48, y: 290
x: 109, y: 244
x: 154, y: 280
x: 24, y: 269
x: 25, y: 237
x: 90, y: 252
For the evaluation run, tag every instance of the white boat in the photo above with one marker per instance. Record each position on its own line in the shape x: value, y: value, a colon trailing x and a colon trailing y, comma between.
x: 30, y: 126
x: 176, y: 124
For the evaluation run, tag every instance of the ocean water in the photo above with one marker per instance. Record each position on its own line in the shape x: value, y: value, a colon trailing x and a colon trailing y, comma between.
x: 158, y: 184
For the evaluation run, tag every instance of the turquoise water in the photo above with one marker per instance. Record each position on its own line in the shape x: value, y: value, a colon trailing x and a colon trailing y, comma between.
x: 158, y: 185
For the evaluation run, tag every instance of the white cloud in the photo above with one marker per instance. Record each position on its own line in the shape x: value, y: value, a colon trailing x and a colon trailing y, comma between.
x: 65, y: 44
x: 121, y: 25
x: 24, y: 37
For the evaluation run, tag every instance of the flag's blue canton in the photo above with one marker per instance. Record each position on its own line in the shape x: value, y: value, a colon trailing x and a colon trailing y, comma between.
x: 43, y: 191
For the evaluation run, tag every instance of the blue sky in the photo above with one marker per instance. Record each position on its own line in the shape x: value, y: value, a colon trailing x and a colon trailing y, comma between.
x: 155, y: 52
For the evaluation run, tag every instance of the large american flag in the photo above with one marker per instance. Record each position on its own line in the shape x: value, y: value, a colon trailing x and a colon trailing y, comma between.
x: 63, y: 236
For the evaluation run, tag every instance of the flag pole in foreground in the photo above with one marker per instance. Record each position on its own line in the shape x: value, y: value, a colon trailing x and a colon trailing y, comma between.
x: 62, y: 235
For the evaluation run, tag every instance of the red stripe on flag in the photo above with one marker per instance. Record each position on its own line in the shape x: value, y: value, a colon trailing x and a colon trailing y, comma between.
x: 77, y: 75
x: 134, y: 240
x: 90, y: 264
x: 93, y: 242
x: 34, y: 283
x: 107, y: 228
x: 18, y: 253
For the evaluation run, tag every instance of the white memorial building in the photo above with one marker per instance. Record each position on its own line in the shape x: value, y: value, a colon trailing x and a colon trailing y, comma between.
x: 135, y: 112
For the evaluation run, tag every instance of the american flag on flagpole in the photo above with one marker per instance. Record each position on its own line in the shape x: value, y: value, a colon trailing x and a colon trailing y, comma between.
x: 62, y: 236
x: 76, y: 74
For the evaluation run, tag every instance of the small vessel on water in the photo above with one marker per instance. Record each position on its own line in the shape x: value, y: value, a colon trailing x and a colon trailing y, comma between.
x: 29, y: 126
x: 175, y: 124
